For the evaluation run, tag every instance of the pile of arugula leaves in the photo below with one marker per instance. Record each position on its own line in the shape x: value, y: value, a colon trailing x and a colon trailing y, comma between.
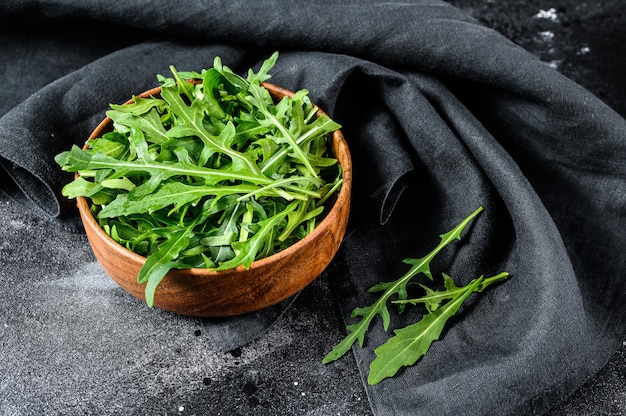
x: 411, y: 343
x: 212, y: 173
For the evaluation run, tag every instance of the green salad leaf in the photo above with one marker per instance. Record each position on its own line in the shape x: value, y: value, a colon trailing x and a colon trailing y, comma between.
x: 411, y: 343
x: 213, y: 172
x: 397, y: 287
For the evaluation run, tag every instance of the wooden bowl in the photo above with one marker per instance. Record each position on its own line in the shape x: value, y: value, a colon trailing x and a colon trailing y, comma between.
x: 204, y: 292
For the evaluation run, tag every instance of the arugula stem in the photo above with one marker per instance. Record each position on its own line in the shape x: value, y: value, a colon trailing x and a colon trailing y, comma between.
x: 421, y: 265
x: 255, y: 91
x: 280, y: 182
x: 292, y: 143
x: 174, y: 169
x: 300, y: 141
x: 490, y: 280
x: 311, y: 114
x: 330, y: 192
x: 186, y: 113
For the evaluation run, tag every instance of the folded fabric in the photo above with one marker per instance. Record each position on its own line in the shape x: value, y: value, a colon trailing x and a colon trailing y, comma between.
x: 441, y: 114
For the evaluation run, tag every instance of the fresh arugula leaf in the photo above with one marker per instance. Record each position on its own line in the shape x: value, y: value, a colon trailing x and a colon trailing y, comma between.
x: 191, y: 119
x: 271, y: 120
x: 149, y: 123
x: 163, y: 260
x: 140, y: 105
x: 171, y: 193
x: 264, y: 71
x: 398, y: 287
x: 246, y: 251
x: 411, y: 343
x: 111, y: 144
x: 83, y: 160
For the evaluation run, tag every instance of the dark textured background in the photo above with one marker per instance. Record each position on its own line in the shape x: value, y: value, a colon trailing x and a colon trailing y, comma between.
x: 585, y: 41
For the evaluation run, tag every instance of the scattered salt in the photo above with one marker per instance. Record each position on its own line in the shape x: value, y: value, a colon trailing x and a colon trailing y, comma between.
x: 554, y: 64
x: 546, y: 36
x: 549, y: 14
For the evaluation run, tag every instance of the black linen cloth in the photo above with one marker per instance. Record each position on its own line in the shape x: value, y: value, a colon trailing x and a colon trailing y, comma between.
x: 441, y: 114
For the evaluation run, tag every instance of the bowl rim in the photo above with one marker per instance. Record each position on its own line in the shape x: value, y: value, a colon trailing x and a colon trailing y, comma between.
x: 343, y: 197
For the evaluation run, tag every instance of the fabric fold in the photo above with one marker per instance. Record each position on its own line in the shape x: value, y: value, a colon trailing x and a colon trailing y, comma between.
x: 441, y: 115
